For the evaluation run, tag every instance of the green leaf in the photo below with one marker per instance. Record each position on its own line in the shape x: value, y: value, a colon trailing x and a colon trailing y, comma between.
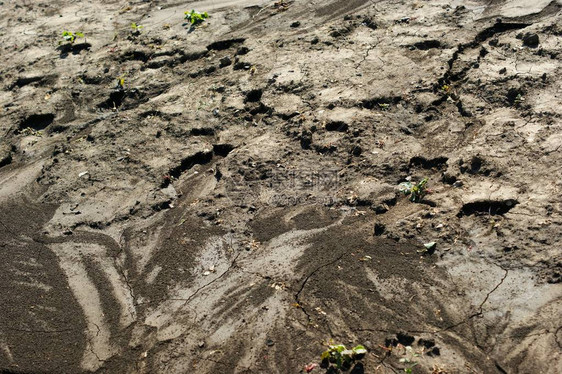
x: 430, y: 245
x: 405, y: 187
x: 195, y: 17
x: 338, y: 348
x: 325, y: 355
x: 359, y: 350
x: 79, y: 34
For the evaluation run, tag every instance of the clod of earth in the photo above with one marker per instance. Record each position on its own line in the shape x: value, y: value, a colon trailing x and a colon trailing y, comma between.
x: 37, y: 121
x: 529, y: 39
x: 490, y: 207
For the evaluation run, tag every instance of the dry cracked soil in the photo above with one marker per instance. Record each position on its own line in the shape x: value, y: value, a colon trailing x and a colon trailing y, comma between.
x: 225, y: 198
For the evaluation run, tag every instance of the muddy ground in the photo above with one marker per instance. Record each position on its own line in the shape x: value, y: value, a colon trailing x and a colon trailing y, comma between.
x: 233, y: 207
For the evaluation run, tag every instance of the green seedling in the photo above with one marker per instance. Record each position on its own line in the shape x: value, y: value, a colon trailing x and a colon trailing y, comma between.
x: 341, y: 358
x: 409, y: 361
x: 415, y: 191
x: 121, y: 83
x: 428, y: 248
x: 195, y: 18
x: 410, y: 366
x: 70, y: 37
x: 136, y: 28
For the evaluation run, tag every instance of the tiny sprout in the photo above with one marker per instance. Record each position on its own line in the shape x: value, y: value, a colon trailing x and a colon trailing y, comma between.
x: 415, y: 191
x: 428, y: 248
x: 341, y: 358
x: 409, y: 361
x: 195, y: 18
x: 70, y: 36
x: 136, y: 28
x: 121, y: 83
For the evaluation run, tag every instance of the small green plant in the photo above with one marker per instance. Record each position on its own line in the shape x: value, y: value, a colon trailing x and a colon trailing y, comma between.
x: 428, y: 248
x: 409, y: 361
x: 416, y: 191
x: 195, y: 18
x: 341, y: 358
x: 70, y: 37
x: 120, y: 83
x: 136, y: 28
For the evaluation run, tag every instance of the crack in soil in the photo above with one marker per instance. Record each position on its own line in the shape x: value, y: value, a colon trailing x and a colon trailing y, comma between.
x: 448, y: 77
x: 297, y: 299
x: 91, y: 345
x: 99, y: 330
x: 120, y: 269
x: 95, y: 354
x: 369, y: 49
x: 480, y: 307
x: 41, y: 331
x: 559, y: 343
x: 492, y: 291
x: 187, y: 300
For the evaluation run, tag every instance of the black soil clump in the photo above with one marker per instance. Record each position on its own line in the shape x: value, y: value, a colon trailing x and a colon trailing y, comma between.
x: 222, y: 149
x: 37, y: 121
x: 337, y: 126
x: 225, y: 44
x: 187, y: 163
x: 491, y: 207
x: 425, y: 163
